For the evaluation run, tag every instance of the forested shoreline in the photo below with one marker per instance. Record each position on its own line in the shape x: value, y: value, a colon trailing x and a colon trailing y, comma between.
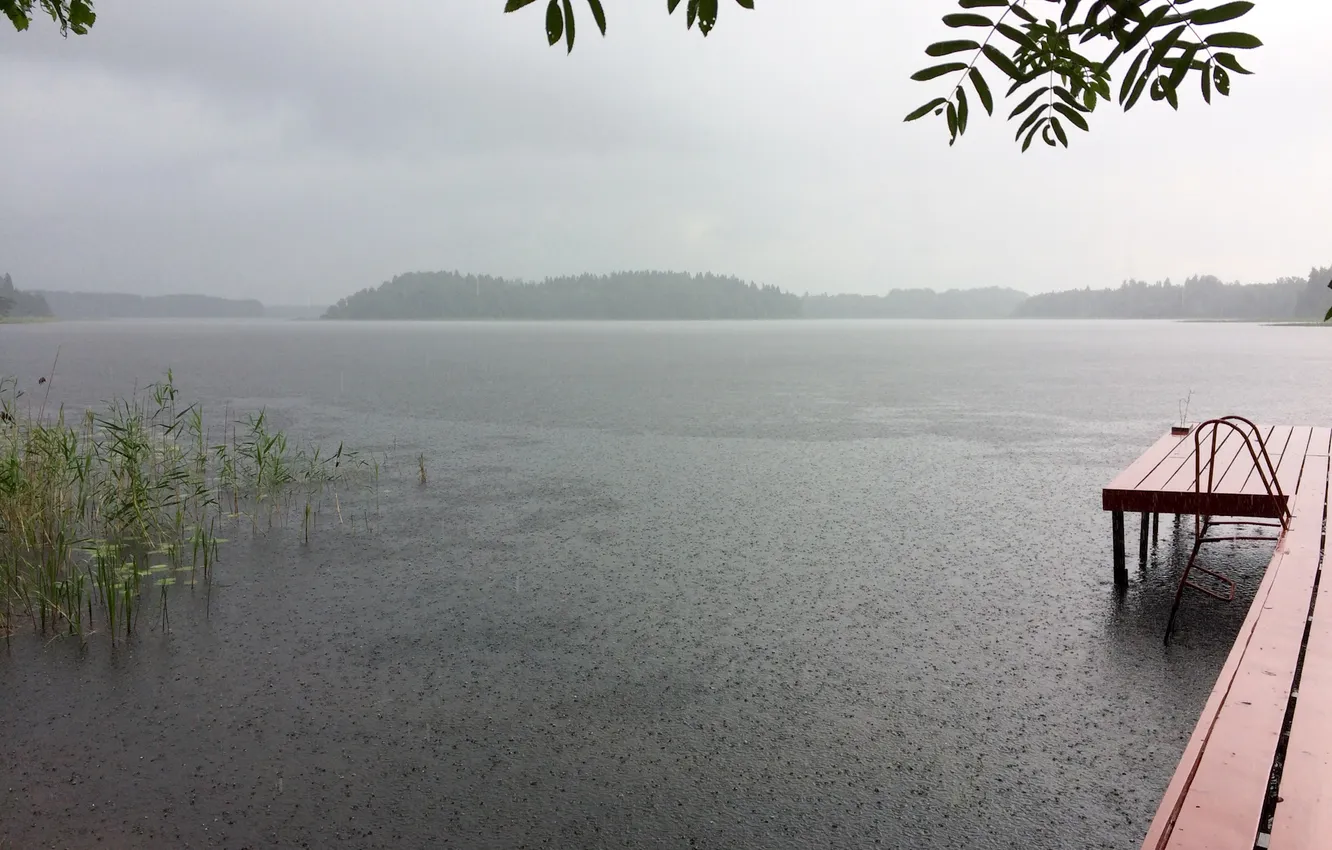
x: 650, y: 295
x: 1199, y: 297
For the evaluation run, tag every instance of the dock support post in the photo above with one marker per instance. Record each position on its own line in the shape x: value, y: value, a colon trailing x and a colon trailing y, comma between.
x: 1156, y: 527
x: 1143, y: 528
x: 1117, y: 533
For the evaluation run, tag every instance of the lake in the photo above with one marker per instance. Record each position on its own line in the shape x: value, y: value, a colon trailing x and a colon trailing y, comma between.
x: 771, y: 584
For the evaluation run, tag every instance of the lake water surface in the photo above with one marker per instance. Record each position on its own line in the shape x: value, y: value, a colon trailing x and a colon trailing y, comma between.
x: 669, y: 585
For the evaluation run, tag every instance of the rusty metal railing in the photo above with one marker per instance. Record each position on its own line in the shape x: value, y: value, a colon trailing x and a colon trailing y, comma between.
x: 1202, y: 523
x: 1267, y: 475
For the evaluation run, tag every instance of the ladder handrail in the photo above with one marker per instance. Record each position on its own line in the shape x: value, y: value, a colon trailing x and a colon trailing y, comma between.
x: 1262, y: 446
x: 1267, y: 476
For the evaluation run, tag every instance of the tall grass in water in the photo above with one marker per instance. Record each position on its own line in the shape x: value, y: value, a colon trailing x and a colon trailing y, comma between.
x: 100, y: 514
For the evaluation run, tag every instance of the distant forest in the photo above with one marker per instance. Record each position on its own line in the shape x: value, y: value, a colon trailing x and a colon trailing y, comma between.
x: 16, y: 303
x: 119, y: 305
x: 623, y: 295
x: 21, y: 305
x: 649, y: 295
x: 1205, y: 297
x: 676, y: 295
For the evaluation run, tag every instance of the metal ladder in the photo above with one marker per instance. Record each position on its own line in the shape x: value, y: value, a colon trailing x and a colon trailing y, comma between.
x: 1262, y: 463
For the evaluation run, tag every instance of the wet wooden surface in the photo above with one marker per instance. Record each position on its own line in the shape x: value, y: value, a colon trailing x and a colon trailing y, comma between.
x: 1217, y: 794
x: 1162, y: 479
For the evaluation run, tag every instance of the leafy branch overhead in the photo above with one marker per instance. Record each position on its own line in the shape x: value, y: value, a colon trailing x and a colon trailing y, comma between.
x: 1061, y: 69
x: 560, y: 16
x: 74, y: 16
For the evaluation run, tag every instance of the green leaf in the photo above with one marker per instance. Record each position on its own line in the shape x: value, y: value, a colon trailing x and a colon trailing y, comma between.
x: 1137, y: 92
x: 598, y: 14
x: 981, y: 4
x: 568, y: 25
x: 1222, y: 80
x: 1171, y: 96
x: 1027, y: 102
x: 81, y: 16
x: 748, y: 4
x: 670, y: 6
x: 1022, y: 13
x: 1068, y: 98
x: 1328, y: 317
x: 554, y: 22
x: 1031, y: 118
x: 944, y: 48
x: 1232, y: 40
x: 938, y: 71
x: 1014, y: 34
x: 962, y: 110
x: 1046, y: 135
x: 691, y: 14
x: 1059, y: 130
x: 1162, y: 47
x: 952, y: 124
x: 1139, y: 32
x: 922, y: 111
x: 982, y: 90
x: 515, y: 5
x: 1220, y: 14
x: 707, y: 15
x: 1229, y: 61
x: 1074, y: 117
x: 1207, y: 84
x: 1001, y: 61
x: 1181, y: 69
x: 1070, y: 9
x: 17, y: 12
x: 1026, y: 143
x: 962, y: 19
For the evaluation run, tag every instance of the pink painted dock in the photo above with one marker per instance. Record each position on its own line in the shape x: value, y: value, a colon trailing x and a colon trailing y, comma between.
x: 1257, y: 771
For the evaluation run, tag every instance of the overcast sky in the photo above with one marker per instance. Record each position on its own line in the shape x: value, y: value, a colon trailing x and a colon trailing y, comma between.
x: 305, y: 149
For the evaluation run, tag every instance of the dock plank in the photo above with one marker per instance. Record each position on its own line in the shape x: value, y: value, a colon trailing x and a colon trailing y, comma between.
x: 1215, y: 798
x: 1287, y: 459
x: 1133, y: 476
x: 1172, y: 801
x: 1303, y: 817
x: 1179, y: 462
x: 1229, y: 445
x: 1242, y: 467
x: 1166, y: 478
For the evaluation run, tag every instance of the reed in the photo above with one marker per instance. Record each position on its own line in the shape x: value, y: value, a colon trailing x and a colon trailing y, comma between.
x: 98, y: 513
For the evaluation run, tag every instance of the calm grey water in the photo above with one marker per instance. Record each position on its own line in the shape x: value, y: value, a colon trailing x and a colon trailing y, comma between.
x: 669, y: 585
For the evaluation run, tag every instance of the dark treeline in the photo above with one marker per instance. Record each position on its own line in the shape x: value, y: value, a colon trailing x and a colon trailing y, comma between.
x: 623, y: 295
x: 1205, y: 297
x: 118, y: 305
x: 676, y: 295
x: 20, y: 304
x: 649, y: 295
x: 990, y: 302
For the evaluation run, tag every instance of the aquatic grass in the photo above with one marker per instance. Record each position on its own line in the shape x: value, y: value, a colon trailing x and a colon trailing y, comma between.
x: 96, y: 513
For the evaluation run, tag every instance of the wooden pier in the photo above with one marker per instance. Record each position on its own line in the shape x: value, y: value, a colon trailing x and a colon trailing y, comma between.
x: 1257, y: 771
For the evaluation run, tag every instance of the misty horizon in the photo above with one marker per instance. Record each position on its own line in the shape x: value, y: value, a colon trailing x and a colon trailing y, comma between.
x: 804, y: 293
